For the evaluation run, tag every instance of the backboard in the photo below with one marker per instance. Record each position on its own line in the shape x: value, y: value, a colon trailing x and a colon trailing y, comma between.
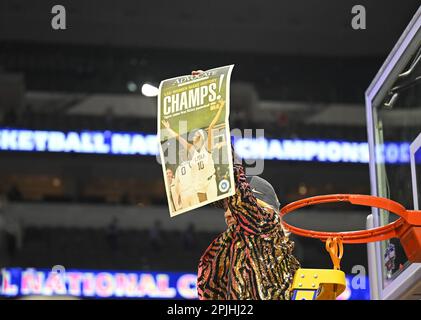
x: 393, y: 108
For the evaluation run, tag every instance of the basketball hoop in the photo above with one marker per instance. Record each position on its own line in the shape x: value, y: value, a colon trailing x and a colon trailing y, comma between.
x: 407, y: 228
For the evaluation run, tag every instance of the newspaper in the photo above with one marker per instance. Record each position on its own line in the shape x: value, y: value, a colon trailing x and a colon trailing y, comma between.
x: 195, y: 143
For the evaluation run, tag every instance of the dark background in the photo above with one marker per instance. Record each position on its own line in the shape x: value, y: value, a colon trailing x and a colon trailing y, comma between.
x: 109, y: 212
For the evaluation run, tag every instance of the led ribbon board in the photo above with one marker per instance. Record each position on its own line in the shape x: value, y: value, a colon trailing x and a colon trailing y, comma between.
x: 17, y: 282
x: 129, y: 143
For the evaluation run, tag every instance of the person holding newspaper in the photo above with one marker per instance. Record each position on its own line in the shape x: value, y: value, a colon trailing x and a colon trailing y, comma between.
x: 253, y: 258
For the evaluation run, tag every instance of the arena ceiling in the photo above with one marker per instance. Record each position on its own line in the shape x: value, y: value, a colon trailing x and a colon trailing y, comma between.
x: 289, y: 51
x: 272, y: 26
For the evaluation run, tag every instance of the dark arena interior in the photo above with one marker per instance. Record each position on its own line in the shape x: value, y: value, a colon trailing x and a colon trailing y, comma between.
x: 301, y: 72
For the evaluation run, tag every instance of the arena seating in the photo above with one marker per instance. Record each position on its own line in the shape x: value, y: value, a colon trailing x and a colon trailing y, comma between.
x: 89, y: 248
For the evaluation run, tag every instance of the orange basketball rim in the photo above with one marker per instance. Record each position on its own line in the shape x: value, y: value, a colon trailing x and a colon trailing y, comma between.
x: 407, y: 228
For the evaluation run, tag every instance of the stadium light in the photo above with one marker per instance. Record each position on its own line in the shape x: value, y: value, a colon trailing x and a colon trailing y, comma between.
x: 131, y: 86
x: 149, y: 90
